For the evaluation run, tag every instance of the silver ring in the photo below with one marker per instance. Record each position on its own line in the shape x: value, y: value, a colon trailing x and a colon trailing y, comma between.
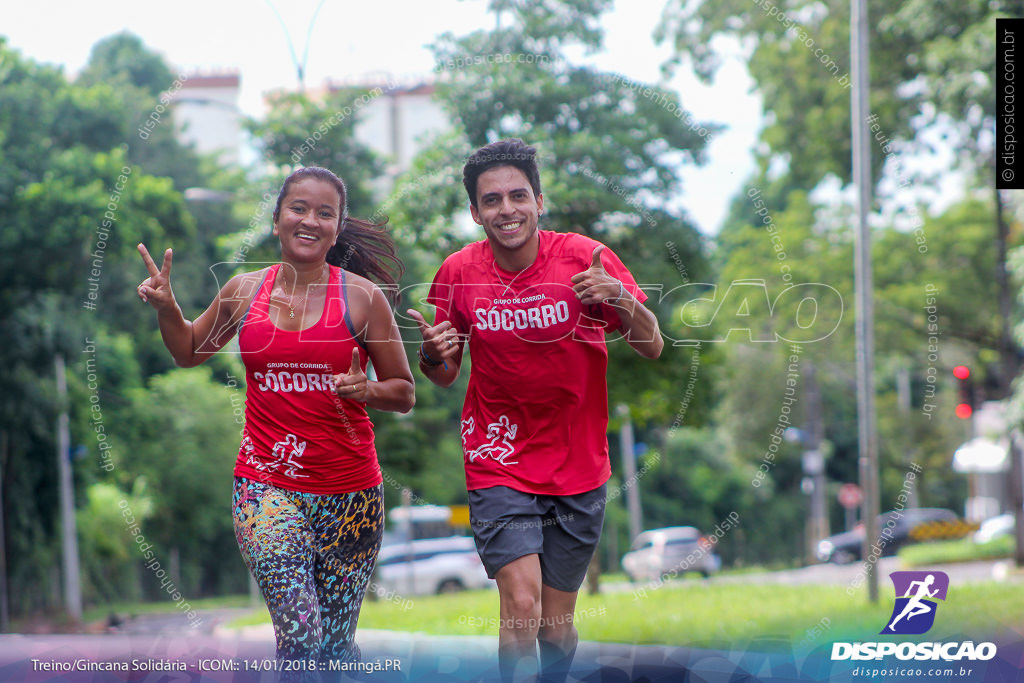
x: 451, y: 342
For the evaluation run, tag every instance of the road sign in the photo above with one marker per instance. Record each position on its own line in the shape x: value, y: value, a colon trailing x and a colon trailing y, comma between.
x: 460, y: 515
x: 943, y: 530
x: 850, y: 496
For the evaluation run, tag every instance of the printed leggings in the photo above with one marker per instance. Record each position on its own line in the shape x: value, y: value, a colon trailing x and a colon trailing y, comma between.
x: 312, y: 556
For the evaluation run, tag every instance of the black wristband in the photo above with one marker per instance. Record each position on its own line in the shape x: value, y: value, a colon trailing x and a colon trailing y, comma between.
x: 427, y: 359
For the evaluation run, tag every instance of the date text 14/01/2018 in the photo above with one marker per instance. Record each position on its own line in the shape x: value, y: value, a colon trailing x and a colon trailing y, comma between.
x: 297, y: 665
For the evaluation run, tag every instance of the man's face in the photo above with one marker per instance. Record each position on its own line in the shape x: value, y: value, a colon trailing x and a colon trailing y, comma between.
x: 507, y: 209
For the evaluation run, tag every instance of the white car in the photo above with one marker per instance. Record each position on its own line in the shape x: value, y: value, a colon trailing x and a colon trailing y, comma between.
x: 993, y: 528
x: 429, y: 566
x: 678, y: 549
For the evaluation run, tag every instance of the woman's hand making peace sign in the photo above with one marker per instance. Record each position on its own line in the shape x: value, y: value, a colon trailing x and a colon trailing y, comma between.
x: 156, y: 289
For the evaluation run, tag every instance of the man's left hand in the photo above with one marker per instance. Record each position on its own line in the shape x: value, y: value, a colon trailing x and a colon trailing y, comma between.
x: 594, y: 285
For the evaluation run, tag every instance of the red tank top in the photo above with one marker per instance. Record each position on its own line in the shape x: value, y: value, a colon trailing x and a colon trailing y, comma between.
x: 299, y: 434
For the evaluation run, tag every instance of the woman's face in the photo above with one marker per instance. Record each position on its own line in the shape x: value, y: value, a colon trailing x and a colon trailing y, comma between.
x: 308, y: 222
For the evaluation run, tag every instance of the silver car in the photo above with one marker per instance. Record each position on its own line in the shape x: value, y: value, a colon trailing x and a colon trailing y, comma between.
x: 671, y: 551
x: 430, y: 565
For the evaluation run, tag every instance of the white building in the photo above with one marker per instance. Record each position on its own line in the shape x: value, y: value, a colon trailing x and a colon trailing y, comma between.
x: 395, y: 118
x: 206, y: 111
x: 398, y: 122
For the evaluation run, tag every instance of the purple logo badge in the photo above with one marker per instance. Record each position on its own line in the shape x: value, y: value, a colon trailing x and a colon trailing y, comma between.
x: 916, y: 596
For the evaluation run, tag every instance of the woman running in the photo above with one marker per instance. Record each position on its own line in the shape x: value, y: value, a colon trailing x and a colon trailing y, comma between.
x: 308, y: 499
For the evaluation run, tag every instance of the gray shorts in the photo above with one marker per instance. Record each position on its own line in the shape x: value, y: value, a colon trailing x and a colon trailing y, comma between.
x: 562, y: 530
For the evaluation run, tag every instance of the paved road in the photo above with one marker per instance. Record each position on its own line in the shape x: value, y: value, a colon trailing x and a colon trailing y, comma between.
x: 389, y: 658
x: 166, y: 647
x: 400, y: 657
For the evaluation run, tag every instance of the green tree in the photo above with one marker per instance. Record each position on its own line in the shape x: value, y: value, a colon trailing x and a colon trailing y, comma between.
x: 931, y: 72
x: 62, y: 137
x: 123, y: 59
x: 74, y: 201
x: 184, y: 436
x: 948, y: 279
x: 110, y: 554
x: 800, y: 61
x: 696, y: 467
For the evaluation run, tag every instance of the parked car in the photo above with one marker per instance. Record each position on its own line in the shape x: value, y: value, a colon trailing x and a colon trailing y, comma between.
x: 678, y: 548
x: 994, y: 527
x: 430, y: 565
x: 846, y: 547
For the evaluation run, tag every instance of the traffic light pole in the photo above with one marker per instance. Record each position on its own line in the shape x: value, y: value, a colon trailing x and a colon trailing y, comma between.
x: 1017, y: 494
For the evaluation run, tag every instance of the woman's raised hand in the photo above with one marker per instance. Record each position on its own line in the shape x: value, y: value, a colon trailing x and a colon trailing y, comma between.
x: 156, y: 289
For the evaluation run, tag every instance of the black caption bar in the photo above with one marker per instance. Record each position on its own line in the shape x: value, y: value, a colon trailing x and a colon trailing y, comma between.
x: 1009, y: 127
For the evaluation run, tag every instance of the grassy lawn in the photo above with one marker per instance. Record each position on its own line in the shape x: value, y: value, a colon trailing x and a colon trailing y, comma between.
x: 136, y: 608
x: 711, y: 615
x: 963, y: 550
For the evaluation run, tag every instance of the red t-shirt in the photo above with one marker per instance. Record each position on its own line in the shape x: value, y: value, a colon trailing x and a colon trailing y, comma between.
x: 299, y: 434
x: 536, y: 411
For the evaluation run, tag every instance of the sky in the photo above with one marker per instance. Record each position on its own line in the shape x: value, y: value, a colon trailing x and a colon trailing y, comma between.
x: 349, y: 41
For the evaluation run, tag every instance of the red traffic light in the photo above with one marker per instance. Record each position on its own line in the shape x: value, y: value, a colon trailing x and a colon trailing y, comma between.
x: 966, y: 398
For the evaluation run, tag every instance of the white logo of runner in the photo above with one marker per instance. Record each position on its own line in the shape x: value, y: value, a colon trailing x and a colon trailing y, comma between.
x: 502, y: 431
x: 286, y: 453
x: 916, y: 606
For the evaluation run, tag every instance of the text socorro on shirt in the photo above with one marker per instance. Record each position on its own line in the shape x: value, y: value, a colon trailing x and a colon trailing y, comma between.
x: 503, y: 318
x: 296, y: 378
x: 531, y: 309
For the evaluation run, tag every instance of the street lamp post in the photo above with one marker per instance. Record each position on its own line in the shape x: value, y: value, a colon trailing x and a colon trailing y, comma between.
x: 815, y: 449
x: 69, y: 537
x: 867, y: 436
x: 300, y: 65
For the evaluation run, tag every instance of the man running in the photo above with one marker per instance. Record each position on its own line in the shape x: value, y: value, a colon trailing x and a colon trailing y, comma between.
x: 535, y: 307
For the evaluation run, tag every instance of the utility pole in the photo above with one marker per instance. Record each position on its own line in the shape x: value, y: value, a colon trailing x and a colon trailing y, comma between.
x: 814, y: 462
x: 1007, y: 372
x: 629, y: 472
x: 903, y: 401
x: 69, y: 538
x: 4, y: 605
x: 863, y: 283
x: 410, y: 534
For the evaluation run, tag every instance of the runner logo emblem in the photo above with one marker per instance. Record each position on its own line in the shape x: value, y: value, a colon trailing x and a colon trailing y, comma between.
x: 502, y: 431
x: 916, y: 596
